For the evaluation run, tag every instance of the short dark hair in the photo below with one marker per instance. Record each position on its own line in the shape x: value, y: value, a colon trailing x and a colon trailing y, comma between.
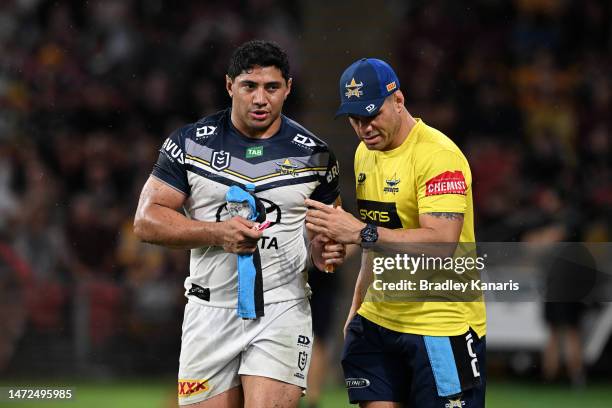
x: 258, y: 53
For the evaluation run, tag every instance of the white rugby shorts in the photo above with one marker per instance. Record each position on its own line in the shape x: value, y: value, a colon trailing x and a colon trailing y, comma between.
x: 218, y: 346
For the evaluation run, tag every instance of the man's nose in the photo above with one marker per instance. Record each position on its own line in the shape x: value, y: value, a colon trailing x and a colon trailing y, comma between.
x: 259, y: 97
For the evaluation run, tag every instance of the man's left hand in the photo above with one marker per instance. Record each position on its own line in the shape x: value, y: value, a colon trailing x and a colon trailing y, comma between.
x: 334, y: 223
x: 326, y: 252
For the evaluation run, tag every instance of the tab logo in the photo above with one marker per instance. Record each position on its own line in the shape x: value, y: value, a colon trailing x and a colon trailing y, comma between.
x: 449, y: 182
x: 220, y: 160
x: 255, y: 151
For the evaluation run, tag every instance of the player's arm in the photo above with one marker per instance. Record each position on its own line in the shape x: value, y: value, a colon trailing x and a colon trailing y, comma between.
x: 322, y: 250
x: 158, y: 221
x: 364, y: 279
x: 342, y: 227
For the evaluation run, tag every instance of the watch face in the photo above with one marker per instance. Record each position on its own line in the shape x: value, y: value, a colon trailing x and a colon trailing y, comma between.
x: 369, y: 234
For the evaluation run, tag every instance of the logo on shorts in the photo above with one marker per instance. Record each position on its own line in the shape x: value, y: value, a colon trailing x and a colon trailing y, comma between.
x: 455, y: 403
x: 188, y: 388
x: 303, y: 341
x: 302, y: 359
x: 357, y: 382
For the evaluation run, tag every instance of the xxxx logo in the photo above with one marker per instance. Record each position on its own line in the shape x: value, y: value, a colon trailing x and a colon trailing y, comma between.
x: 187, y: 388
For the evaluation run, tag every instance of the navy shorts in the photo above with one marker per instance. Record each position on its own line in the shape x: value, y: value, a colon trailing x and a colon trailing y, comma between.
x: 420, y: 371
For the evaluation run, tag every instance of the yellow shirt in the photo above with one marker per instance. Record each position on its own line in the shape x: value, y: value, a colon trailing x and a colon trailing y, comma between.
x: 427, y: 173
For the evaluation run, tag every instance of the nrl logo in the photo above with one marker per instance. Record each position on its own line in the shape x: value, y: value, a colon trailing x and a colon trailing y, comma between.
x: 353, y: 89
x: 392, y: 185
x: 287, y: 167
x: 220, y: 160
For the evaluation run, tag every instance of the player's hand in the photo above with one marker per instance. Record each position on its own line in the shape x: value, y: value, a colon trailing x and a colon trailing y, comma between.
x: 324, y: 252
x: 239, y: 236
x: 334, y: 223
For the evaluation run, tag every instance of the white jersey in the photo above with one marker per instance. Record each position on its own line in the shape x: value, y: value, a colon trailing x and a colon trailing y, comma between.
x: 202, y: 160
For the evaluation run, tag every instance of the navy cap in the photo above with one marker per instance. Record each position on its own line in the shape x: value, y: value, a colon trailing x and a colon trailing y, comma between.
x: 364, y: 86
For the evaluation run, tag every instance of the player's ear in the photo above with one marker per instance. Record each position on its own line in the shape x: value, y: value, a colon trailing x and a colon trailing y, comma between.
x: 228, y: 85
x: 288, y: 91
x: 398, y: 101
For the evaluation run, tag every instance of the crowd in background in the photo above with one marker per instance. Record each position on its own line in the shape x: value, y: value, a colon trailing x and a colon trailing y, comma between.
x: 88, y: 91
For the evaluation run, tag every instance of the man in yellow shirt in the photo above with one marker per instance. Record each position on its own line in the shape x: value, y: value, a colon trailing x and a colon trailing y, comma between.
x: 414, y: 190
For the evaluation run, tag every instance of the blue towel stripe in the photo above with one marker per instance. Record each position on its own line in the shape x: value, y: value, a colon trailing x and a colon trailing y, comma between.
x: 442, y: 361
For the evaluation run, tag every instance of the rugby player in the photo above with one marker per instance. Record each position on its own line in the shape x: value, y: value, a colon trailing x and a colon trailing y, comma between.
x: 413, y: 187
x: 226, y: 361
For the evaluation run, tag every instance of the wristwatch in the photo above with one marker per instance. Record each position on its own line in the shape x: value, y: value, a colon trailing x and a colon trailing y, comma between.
x: 369, y: 236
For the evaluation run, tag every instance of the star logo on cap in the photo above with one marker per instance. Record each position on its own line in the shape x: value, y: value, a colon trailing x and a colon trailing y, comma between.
x: 353, y: 89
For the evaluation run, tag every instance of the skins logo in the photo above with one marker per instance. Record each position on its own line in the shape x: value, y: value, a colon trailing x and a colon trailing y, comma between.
x: 449, y: 182
x: 302, y: 359
x: 220, y: 160
x: 357, y: 382
x: 392, y: 185
x: 188, y: 388
x: 361, y: 178
x: 379, y: 213
x: 271, y: 208
x: 353, y: 89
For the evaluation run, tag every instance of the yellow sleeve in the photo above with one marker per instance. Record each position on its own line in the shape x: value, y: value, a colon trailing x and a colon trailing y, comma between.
x: 443, y: 182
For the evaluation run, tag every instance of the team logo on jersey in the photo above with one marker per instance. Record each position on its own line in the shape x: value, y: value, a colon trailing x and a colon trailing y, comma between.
x: 302, y: 359
x: 205, y: 131
x: 287, y: 167
x: 353, y: 89
x: 361, y: 178
x: 255, y: 151
x: 304, y: 141
x: 188, y: 388
x: 392, y: 185
x: 220, y: 160
x: 455, y: 403
x: 273, y: 212
x: 449, y: 182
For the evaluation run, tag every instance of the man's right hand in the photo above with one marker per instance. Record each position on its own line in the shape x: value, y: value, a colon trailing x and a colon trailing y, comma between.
x: 239, y: 237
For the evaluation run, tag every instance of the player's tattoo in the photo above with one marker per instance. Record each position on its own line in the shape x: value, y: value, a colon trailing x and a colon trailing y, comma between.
x: 447, y: 215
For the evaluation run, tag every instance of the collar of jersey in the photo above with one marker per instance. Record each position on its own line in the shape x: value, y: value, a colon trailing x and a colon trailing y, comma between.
x: 249, y: 140
x: 410, y: 140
